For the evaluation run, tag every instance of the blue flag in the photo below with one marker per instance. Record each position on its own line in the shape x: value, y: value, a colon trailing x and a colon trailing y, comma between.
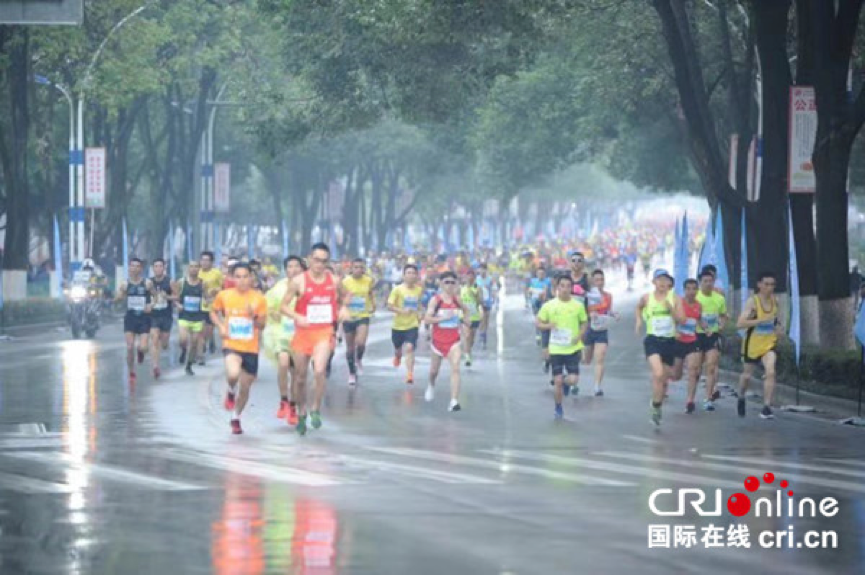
x: 333, y: 243
x: 795, y: 318
x: 683, y: 270
x: 172, y: 256
x: 470, y: 240
x: 58, y: 261
x: 125, y: 252
x: 188, y: 240
x: 284, y: 240
x: 707, y: 252
x: 745, y: 285
x: 858, y: 329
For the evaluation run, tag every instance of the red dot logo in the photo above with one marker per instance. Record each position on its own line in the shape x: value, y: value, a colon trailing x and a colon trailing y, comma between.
x: 769, y: 477
x: 790, y: 493
x: 784, y: 484
x: 752, y: 484
x: 738, y: 504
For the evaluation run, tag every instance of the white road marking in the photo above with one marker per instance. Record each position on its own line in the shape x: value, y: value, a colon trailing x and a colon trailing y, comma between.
x: 619, y: 468
x: 280, y: 473
x: 432, y: 474
x: 23, y: 484
x: 853, y: 462
x: 109, y: 472
x: 764, y: 464
x: 641, y: 439
x: 31, y: 443
x: 790, y: 464
x: 501, y: 466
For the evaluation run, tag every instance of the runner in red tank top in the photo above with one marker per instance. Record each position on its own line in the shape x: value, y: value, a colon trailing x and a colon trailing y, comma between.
x: 447, y: 315
x: 316, y: 311
x: 686, y: 342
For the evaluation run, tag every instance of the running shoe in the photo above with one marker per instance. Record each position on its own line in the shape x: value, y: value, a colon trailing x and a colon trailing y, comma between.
x: 282, y: 412
x: 229, y: 401
x: 140, y: 356
x: 182, y: 358
x: 690, y: 407
x: 454, y: 406
x: 201, y: 362
x: 709, y: 405
x: 409, y: 378
x: 560, y: 413
x: 656, y: 415
x: 599, y: 393
x: 189, y: 369
x: 212, y: 347
x: 359, y: 367
x: 156, y: 372
x: 397, y: 360
x: 235, y: 427
x: 716, y: 395
x: 468, y: 360
x: 767, y: 413
x: 315, y: 419
x: 291, y: 419
x: 740, y: 407
x: 352, y: 380
x: 576, y: 390
x: 301, y: 424
x: 430, y: 393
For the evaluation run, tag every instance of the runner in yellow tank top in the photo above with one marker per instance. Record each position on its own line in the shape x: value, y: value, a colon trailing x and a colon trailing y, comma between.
x: 762, y: 328
x: 357, y: 288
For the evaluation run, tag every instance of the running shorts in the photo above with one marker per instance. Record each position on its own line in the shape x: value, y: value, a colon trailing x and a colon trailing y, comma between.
x: 708, y: 342
x: 593, y: 337
x: 443, y: 348
x: 137, y: 324
x: 563, y: 363
x: 307, y: 339
x: 161, y: 322
x: 757, y: 360
x: 662, y: 346
x: 191, y: 326
x: 475, y: 324
x: 401, y: 337
x: 684, y: 349
x: 248, y: 361
x: 352, y: 325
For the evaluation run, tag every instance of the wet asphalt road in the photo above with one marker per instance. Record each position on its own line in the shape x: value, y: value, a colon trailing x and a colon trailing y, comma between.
x: 97, y: 476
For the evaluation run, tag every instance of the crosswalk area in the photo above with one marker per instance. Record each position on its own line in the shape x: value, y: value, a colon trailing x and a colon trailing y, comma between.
x: 42, y: 465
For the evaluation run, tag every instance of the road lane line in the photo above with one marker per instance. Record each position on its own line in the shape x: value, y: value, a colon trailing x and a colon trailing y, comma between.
x: 103, y: 471
x: 620, y: 468
x: 24, y: 484
x: 853, y: 462
x: 791, y: 464
x: 763, y: 465
x: 32, y: 443
x: 641, y: 439
x: 421, y: 472
x: 501, y: 466
x: 281, y: 474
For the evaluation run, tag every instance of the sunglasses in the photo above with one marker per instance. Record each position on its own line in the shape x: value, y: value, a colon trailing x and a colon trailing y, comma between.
x: 449, y: 282
x: 577, y: 260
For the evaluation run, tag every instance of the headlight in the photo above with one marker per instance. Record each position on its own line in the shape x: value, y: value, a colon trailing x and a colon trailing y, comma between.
x: 78, y: 292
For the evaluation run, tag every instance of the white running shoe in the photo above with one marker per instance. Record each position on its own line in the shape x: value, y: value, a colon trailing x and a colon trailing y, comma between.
x: 430, y: 393
x: 454, y: 406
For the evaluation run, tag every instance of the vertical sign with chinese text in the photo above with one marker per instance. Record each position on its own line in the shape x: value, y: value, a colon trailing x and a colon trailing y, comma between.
x: 94, y: 178
x: 803, y: 133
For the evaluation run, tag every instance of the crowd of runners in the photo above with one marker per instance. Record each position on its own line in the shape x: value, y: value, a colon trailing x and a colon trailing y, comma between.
x: 298, y: 318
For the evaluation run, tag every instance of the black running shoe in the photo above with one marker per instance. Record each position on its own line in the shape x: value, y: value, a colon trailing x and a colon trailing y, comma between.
x: 182, y: 358
x: 740, y: 407
x: 767, y: 413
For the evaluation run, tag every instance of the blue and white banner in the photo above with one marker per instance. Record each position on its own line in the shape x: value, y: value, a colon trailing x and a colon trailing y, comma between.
x: 250, y: 242
x: 188, y: 241
x: 795, y: 313
x: 680, y: 265
x: 284, y: 240
x: 334, y: 245
x: 723, y: 279
x: 744, y: 283
x: 58, y: 261
x: 125, y: 252
x: 172, y: 254
x: 858, y: 328
x: 707, y: 253
x: 471, y: 237
x: 217, y: 244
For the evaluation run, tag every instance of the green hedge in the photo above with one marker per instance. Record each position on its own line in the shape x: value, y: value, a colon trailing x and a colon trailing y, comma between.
x: 32, y: 310
x: 831, y: 372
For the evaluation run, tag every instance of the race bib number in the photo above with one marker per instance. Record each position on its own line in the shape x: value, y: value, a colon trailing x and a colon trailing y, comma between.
x: 765, y: 328
x: 287, y: 327
x: 536, y: 292
x: 662, y: 326
x: 473, y: 307
x: 191, y: 303
x: 600, y: 322
x: 319, y: 314
x: 136, y: 303
x: 357, y: 304
x: 561, y: 337
x: 689, y: 327
x: 410, y: 303
x: 161, y: 302
x: 240, y: 328
x: 711, y: 321
x: 450, y: 319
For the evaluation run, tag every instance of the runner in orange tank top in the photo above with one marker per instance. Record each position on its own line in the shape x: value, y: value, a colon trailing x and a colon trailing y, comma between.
x: 317, y: 310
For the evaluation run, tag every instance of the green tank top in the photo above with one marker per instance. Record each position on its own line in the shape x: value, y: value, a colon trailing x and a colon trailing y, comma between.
x: 468, y: 295
x: 659, y: 320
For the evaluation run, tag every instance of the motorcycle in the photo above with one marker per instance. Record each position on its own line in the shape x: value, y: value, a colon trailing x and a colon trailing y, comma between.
x: 83, y: 308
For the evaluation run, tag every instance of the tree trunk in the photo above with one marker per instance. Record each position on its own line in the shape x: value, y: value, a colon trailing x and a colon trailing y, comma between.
x: 14, y: 144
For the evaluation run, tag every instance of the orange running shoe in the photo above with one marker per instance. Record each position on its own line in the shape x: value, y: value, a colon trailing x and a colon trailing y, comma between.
x: 397, y: 360
x: 292, y: 414
x: 235, y: 427
x: 282, y: 413
x: 409, y: 378
x: 229, y: 401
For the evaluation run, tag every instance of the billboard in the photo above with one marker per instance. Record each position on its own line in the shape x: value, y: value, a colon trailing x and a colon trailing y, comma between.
x: 221, y: 187
x: 803, y: 133
x: 58, y: 12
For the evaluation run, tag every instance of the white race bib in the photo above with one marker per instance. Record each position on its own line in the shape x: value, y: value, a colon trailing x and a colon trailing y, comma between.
x: 410, y: 303
x: 240, y: 329
x: 136, y: 302
x: 711, y: 321
x: 562, y: 337
x: 662, y: 326
x: 765, y: 328
x: 319, y: 314
x: 191, y: 303
x: 357, y: 304
x: 689, y: 327
x: 600, y: 322
x: 451, y: 319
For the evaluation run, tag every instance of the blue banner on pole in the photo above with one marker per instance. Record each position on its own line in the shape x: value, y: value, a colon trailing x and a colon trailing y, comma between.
x: 334, y: 245
x: 745, y: 286
x: 795, y: 313
x: 723, y: 279
x: 470, y: 240
x: 859, y: 328
x: 217, y: 245
x: 58, y: 259
x: 681, y: 264
x: 125, y: 251
x: 284, y: 240
x: 188, y: 240
x: 250, y: 242
x: 172, y: 256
